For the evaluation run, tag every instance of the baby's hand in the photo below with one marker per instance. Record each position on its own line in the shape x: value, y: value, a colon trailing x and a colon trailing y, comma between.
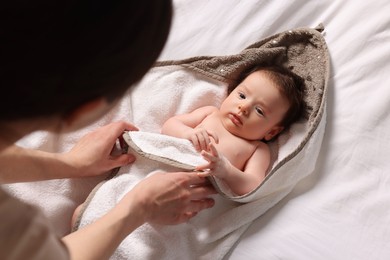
x: 217, y: 164
x: 200, y: 138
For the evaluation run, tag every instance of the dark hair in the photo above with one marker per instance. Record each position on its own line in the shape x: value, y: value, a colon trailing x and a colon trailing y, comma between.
x: 290, y: 85
x: 57, y: 55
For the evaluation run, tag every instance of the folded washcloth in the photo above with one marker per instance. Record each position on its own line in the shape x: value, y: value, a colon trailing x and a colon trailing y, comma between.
x: 167, y: 149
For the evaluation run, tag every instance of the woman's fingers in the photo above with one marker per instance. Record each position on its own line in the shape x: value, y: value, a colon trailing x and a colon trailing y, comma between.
x: 173, y: 198
x: 199, y: 205
x: 203, y: 174
x: 202, y: 168
x: 121, y: 160
x: 196, y: 181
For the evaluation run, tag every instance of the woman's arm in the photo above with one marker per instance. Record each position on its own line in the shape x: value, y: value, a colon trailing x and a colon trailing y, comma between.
x: 89, y: 157
x: 162, y: 198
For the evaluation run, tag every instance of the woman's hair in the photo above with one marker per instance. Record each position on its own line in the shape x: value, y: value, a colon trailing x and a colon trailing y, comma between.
x: 57, y: 55
x: 290, y: 85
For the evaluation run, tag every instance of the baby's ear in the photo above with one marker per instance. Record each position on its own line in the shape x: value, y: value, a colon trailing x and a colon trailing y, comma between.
x: 273, y: 132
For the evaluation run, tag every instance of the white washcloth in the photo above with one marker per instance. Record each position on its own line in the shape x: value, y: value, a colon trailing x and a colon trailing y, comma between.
x: 167, y: 149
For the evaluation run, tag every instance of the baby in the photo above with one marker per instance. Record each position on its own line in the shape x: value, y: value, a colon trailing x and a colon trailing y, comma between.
x: 233, y: 138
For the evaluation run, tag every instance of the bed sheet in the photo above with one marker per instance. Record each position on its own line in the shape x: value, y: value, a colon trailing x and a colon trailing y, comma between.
x: 342, y: 210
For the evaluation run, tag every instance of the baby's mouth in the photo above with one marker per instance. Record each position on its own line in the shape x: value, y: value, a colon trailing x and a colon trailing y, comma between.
x: 235, y: 119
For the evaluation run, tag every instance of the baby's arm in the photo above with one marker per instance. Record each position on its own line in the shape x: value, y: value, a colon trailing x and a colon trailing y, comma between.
x: 186, y: 126
x: 240, y: 182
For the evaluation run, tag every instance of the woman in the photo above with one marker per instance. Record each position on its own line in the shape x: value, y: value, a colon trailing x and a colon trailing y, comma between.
x: 64, y: 64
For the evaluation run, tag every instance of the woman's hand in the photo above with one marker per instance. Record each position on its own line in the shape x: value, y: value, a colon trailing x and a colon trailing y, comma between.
x: 162, y: 198
x: 171, y: 198
x: 92, y: 155
x: 89, y: 157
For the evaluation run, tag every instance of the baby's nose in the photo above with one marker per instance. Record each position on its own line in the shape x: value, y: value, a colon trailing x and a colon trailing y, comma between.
x: 243, y: 108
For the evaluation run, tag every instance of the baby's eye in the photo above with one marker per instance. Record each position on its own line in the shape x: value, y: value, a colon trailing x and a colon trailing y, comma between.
x: 259, y: 111
x: 241, y: 95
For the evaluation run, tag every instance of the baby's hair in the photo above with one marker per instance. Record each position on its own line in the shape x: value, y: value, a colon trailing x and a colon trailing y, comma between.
x: 290, y: 85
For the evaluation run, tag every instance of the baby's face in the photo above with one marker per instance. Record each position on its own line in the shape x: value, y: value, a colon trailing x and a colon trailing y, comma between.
x: 254, y: 109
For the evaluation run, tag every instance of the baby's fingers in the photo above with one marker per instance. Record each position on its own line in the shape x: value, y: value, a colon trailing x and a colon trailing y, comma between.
x: 213, y: 135
x: 213, y: 150
x: 211, y: 158
x: 200, y: 141
x: 195, y: 141
x: 205, y: 140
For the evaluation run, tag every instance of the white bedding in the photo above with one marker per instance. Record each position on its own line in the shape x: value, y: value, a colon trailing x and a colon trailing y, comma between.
x: 342, y: 211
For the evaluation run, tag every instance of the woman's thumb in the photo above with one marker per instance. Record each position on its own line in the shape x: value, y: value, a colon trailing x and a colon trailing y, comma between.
x: 123, y: 159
